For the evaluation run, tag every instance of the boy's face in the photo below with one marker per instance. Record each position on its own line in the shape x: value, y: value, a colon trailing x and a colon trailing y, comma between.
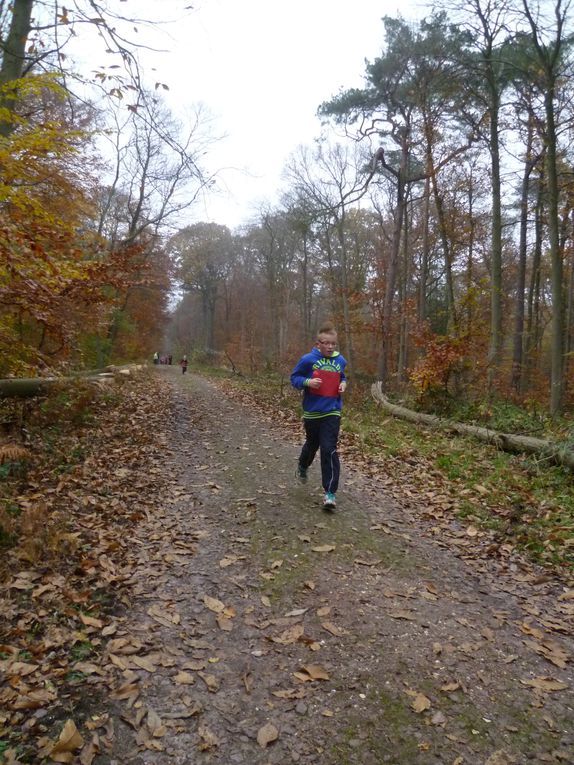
x: 327, y: 343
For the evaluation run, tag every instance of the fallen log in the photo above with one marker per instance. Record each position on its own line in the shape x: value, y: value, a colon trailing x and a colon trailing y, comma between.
x: 28, y: 387
x: 508, y: 442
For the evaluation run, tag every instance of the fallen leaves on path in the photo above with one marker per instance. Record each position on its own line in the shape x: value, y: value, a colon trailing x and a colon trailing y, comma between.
x: 290, y: 635
x: 420, y: 702
x: 267, y: 734
x: 312, y: 672
x: 86, y: 647
x: 545, y: 684
x: 60, y: 602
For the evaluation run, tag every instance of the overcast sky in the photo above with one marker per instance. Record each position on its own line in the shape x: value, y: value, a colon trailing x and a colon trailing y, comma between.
x: 262, y: 68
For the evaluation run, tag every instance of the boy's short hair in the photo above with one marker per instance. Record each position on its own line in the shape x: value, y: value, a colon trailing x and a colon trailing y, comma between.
x: 327, y: 328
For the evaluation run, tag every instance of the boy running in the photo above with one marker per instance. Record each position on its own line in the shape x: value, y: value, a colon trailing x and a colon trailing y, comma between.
x: 321, y: 375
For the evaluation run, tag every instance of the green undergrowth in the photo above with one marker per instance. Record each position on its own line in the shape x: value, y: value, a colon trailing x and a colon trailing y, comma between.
x: 527, y: 502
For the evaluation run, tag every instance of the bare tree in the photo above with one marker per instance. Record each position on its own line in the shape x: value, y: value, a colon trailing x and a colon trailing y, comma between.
x: 328, y: 179
x: 155, y: 168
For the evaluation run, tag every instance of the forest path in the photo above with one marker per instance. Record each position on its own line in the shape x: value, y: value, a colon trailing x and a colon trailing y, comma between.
x: 278, y: 633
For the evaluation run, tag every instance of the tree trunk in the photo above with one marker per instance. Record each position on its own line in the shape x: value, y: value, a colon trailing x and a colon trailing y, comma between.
x: 495, y: 347
x: 210, y: 318
x: 404, y: 322
x: 550, y: 60
x: 424, y: 267
x: 347, y: 330
x: 385, y: 353
x: 533, y: 315
x: 506, y: 441
x: 518, y: 345
x: 570, y: 311
x: 557, y: 341
x: 14, y: 58
x: 470, y: 260
x: 305, y: 287
x: 452, y: 321
x: 28, y: 387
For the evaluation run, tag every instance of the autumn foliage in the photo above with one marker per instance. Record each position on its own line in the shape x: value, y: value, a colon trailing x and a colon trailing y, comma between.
x: 444, y: 356
x: 60, y: 281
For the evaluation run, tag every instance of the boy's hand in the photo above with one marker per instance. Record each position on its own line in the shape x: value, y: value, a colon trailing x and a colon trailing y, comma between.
x: 315, y: 382
x: 342, y: 387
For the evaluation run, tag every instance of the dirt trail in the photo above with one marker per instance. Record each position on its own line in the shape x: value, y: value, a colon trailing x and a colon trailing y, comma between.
x: 353, y: 637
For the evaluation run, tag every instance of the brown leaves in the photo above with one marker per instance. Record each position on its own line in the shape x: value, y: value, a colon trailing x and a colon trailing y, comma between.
x: 290, y: 693
x: 267, y: 734
x: 224, y: 623
x: 450, y: 687
x: 545, y: 684
x: 543, y: 645
x: 213, y: 604
x: 311, y: 672
x: 551, y: 651
x: 21, y: 669
x: 365, y: 562
x: 229, y: 560
x: 90, y: 621
x: 154, y: 724
x: 333, y: 629
x: 143, y: 662
x: 82, y: 553
x: 210, y: 681
x: 224, y: 613
x: 324, y: 548
x: 162, y: 615
x: 184, y: 678
x: 68, y: 743
x: 208, y: 739
x: 401, y: 613
x: 13, y: 453
x: 420, y: 702
x: 290, y: 635
x: 267, y: 663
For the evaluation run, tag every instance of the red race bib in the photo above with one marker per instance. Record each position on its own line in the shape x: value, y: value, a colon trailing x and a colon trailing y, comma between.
x: 330, y: 382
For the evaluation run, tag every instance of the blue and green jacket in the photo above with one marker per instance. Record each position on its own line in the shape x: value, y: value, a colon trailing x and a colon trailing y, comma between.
x: 326, y: 400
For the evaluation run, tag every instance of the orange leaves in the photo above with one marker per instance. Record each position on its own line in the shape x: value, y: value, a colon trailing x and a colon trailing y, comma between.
x: 49, y: 280
x: 43, y: 202
x: 57, y: 275
x: 442, y: 355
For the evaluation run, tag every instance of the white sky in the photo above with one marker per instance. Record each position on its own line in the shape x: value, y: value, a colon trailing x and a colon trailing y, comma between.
x: 261, y: 68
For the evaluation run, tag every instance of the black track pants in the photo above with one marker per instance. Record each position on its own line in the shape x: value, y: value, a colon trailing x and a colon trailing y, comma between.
x: 323, y: 434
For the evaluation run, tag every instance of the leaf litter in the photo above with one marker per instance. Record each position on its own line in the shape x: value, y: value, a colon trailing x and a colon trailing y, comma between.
x: 103, y: 503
